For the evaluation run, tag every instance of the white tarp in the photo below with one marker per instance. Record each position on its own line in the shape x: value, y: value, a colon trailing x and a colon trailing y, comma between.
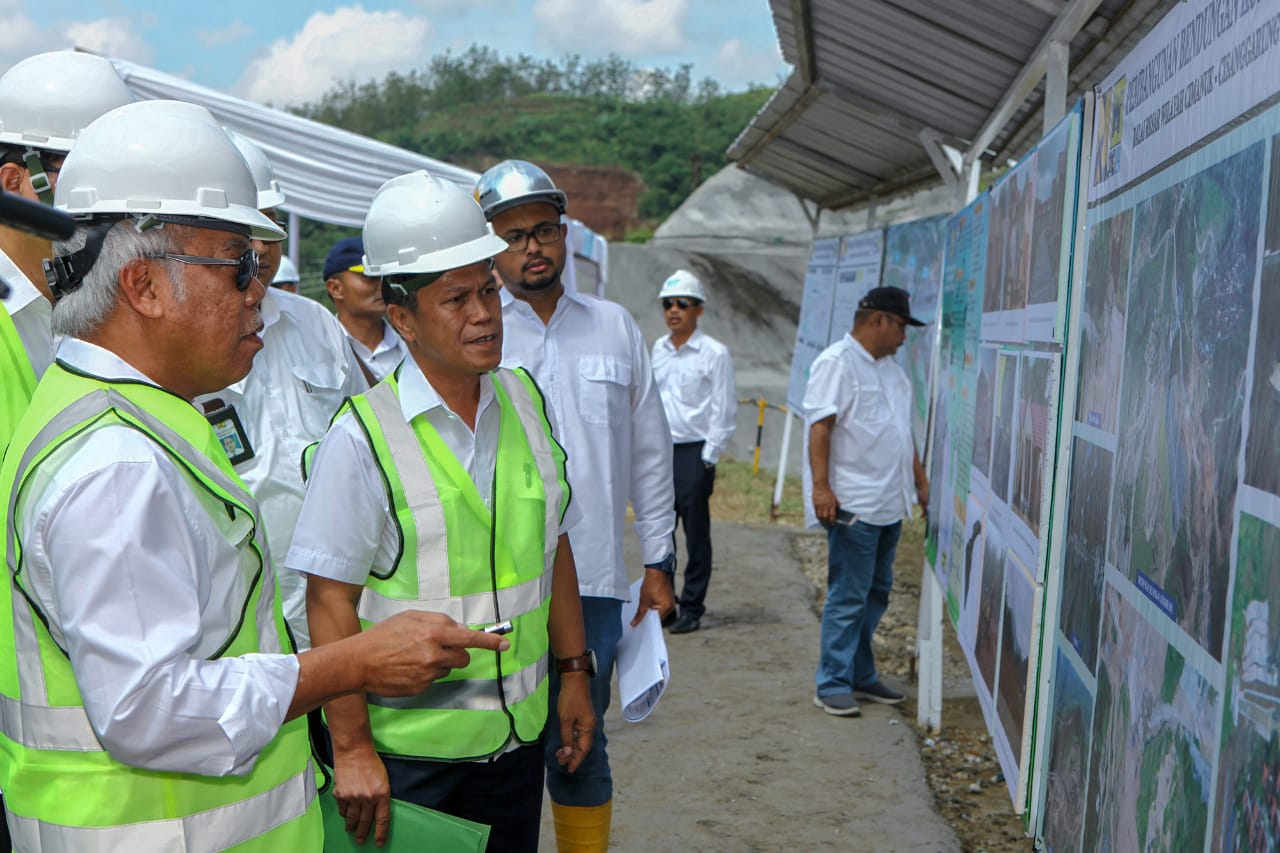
x: 328, y: 174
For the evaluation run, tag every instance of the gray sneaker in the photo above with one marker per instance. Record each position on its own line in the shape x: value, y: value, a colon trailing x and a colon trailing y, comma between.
x: 838, y: 705
x: 880, y: 692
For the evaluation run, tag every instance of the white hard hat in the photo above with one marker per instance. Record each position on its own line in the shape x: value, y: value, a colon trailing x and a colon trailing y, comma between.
x: 514, y: 182
x: 264, y: 177
x: 421, y: 224
x: 46, y: 100
x: 164, y: 159
x: 286, y: 273
x: 682, y: 283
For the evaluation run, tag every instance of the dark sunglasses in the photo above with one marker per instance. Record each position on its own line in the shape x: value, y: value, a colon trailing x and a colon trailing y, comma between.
x: 246, y: 265
x: 682, y: 304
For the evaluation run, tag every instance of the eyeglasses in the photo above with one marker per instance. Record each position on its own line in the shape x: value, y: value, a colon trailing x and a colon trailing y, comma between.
x: 246, y: 265
x: 545, y: 233
x: 682, y: 304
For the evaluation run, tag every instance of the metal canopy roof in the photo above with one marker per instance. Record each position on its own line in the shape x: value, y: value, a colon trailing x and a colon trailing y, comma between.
x: 880, y: 86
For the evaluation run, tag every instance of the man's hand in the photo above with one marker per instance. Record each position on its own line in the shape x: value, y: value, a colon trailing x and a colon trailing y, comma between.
x: 577, y: 720
x: 404, y: 654
x: 655, y: 593
x: 825, y: 504
x: 922, y: 498
x: 363, y: 793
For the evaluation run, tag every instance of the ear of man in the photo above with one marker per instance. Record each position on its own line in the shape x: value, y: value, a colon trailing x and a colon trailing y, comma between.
x: 11, y: 177
x: 141, y: 292
x: 401, y: 319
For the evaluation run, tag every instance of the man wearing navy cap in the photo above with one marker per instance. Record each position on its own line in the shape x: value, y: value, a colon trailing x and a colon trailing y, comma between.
x: 863, y: 474
x: 358, y: 300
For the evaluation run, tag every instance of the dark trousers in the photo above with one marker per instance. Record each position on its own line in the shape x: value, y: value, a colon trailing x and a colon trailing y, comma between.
x: 694, y: 483
x: 505, y: 793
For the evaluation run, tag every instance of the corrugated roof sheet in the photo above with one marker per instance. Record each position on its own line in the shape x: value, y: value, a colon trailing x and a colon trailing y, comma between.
x: 871, y: 75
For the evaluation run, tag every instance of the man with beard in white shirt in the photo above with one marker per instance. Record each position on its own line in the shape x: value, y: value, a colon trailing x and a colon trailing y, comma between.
x: 299, y: 379
x: 590, y: 360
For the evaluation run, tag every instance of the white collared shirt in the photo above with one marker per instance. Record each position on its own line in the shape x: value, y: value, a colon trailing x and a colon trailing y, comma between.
x: 140, y: 585
x: 32, y: 315
x: 593, y: 366
x: 383, y: 358
x: 698, y: 392
x: 346, y: 529
x: 870, y: 466
x: 299, y: 380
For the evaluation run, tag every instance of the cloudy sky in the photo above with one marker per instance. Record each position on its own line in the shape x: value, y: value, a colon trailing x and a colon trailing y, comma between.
x: 291, y: 51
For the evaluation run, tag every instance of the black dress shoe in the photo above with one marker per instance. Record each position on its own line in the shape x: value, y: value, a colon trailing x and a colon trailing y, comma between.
x: 685, y: 624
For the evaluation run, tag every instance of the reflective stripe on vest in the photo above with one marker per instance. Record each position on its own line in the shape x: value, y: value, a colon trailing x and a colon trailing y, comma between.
x: 475, y: 711
x: 204, y: 832
x: 64, y: 791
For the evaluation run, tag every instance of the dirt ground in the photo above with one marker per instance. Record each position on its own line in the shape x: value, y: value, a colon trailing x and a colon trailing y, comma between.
x: 736, y: 758
x: 968, y: 787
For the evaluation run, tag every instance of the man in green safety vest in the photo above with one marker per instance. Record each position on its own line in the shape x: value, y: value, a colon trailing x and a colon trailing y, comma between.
x: 444, y: 487
x: 147, y: 701
x: 45, y: 101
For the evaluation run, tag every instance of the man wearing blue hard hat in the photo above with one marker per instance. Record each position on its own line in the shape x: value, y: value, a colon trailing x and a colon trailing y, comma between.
x: 358, y: 300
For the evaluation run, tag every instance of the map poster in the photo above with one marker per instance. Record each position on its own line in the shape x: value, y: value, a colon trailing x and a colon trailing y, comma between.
x: 1056, y: 185
x: 814, y: 328
x: 913, y: 258
x: 1034, y: 446
x: 859, y: 271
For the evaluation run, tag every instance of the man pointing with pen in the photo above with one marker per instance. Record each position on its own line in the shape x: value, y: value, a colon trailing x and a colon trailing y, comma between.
x: 443, y: 488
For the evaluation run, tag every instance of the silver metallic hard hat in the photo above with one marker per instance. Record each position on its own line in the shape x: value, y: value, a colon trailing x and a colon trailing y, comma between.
x: 514, y: 182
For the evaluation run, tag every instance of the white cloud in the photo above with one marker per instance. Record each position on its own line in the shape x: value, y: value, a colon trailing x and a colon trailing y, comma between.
x: 115, y: 37
x: 735, y: 65
x: 235, y: 31
x: 349, y: 43
x: 20, y: 37
x: 627, y: 27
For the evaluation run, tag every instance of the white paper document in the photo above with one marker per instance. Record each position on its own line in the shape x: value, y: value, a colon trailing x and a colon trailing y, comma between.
x: 643, y: 671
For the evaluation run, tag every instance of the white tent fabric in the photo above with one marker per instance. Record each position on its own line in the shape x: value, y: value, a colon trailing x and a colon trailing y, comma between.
x: 328, y: 174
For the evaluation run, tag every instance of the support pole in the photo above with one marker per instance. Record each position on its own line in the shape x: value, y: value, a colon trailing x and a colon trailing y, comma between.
x: 755, y: 460
x: 295, y: 241
x: 929, y: 646
x: 782, y: 467
x: 1055, y: 84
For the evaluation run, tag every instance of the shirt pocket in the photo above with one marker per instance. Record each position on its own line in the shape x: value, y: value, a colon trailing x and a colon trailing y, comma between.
x: 320, y: 394
x: 604, y: 390
x: 694, y: 387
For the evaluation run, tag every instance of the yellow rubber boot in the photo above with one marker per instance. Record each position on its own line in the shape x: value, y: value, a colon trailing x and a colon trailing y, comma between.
x: 582, y: 829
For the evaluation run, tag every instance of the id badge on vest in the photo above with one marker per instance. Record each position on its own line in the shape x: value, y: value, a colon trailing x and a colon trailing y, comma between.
x: 235, y: 441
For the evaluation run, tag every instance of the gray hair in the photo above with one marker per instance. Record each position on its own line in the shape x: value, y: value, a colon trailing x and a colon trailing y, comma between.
x: 81, y: 312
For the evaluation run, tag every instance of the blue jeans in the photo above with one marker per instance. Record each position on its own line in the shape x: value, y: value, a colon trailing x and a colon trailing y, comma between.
x: 592, y: 783
x: 859, y: 577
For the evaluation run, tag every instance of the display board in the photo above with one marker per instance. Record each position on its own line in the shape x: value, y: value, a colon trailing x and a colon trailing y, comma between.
x: 1164, y: 712
x: 913, y: 258
x: 994, y: 438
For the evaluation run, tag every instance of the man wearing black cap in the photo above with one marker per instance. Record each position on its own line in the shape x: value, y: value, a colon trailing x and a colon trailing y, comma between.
x: 862, y: 477
x: 358, y: 300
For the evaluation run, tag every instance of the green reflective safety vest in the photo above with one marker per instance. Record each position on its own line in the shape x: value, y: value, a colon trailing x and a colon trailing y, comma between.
x: 476, y: 566
x: 63, y: 791
x: 17, y: 379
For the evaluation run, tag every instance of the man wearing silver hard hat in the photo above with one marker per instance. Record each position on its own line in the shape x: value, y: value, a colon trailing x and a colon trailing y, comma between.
x: 150, y: 702
x: 591, y: 359
x: 694, y: 372
x: 444, y: 485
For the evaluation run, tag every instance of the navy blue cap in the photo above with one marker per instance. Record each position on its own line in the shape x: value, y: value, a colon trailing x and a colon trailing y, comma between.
x: 346, y: 254
x: 891, y: 300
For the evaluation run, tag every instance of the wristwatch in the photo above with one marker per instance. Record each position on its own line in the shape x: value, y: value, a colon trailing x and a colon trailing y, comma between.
x: 585, y: 662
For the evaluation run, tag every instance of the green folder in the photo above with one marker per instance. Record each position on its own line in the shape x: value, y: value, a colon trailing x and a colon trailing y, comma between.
x: 412, y: 828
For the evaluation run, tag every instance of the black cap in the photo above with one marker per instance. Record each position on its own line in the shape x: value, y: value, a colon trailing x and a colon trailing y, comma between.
x: 891, y: 300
